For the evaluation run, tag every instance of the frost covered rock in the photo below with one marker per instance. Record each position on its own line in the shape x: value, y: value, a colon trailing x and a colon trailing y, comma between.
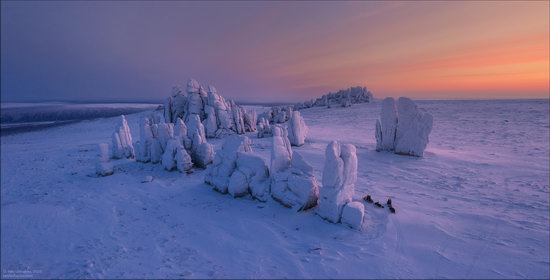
x: 180, y: 133
x: 250, y: 120
x: 339, y: 177
x: 144, y: 144
x: 251, y: 175
x: 297, y: 129
x: 169, y: 155
x: 352, y: 214
x: 165, y: 132
x: 405, y: 130
x: 281, y: 152
x: 264, y: 128
x: 156, y: 151
x: 122, y: 140
x: 219, y: 117
x: 103, y: 166
x: 292, y: 183
x: 413, y: 128
x: 219, y: 172
x: 202, y: 152
x: 386, y: 126
x: 210, y: 123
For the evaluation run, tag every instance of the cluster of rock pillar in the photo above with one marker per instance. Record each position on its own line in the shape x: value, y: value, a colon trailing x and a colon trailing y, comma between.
x: 289, y: 179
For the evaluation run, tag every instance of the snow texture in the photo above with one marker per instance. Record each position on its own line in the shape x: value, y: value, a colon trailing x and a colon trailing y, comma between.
x: 339, y: 177
x: 386, y: 126
x: 297, y: 129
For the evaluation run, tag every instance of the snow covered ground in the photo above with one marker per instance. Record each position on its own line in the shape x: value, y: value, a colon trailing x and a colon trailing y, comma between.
x: 476, y: 206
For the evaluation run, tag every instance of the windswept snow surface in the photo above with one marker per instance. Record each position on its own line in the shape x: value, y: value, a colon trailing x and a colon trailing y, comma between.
x: 476, y: 205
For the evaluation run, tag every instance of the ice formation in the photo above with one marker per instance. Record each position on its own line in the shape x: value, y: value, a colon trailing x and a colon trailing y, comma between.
x: 264, y: 128
x: 277, y: 114
x: 219, y: 116
x: 292, y: 183
x: 176, y: 157
x: 180, y: 146
x: 297, y: 129
x: 405, y: 130
x: 344, y: 97
x: 339, y: 177
x: 123, y: 146
x: 386, y: 126
x: 202, y: 152
x: 238, y: 171
x: 103, y: 166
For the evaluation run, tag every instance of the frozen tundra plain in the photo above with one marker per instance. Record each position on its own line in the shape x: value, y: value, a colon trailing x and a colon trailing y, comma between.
x: 475, y: 206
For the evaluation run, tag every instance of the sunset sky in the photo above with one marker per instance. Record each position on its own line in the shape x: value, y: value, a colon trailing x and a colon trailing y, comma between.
x: 274, y: 51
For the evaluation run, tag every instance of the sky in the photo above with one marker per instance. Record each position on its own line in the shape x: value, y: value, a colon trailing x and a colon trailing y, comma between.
x: 274, y: 51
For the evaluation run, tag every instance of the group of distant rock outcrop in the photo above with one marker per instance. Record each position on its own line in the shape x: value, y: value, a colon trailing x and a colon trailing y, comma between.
x: 343, y: 98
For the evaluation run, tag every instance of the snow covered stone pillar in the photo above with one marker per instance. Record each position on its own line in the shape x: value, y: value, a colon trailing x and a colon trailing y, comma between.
x: 413, y: 128
x: 202, y: 152
x: 386, y: 126
x: 339, y: 177
x: 238, y: 171
x: 292, y: 181
x: 176, y: 157
x: 122, y: 140
x: 103, y: 166
x: 297, y: 129
x: 264, y: 128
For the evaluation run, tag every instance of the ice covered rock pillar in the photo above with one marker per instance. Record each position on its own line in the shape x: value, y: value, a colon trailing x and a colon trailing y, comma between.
x: 122, y: 140
x: 297, y: 129
x: 413, y: 128
x: 103, y: 166
x: 202, y: 152
x: 386, y: 126
x: 292, y: 181
x: 339, y: 177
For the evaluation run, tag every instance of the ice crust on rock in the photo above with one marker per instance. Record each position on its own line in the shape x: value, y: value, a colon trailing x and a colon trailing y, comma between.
x: 352, y: 214
x: 405, y: 129
x: 339, y: 177
x: 123, y: 146
x: 238, y: 171
x: 386, y: 126
x: 413, y: 128
x: 292, y: 182
x: 220, y: 117
x: 202, y: 152
x: 103, y: 166
x: 176, y: 157
x: 264, y: 128
x: 297, y: 129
